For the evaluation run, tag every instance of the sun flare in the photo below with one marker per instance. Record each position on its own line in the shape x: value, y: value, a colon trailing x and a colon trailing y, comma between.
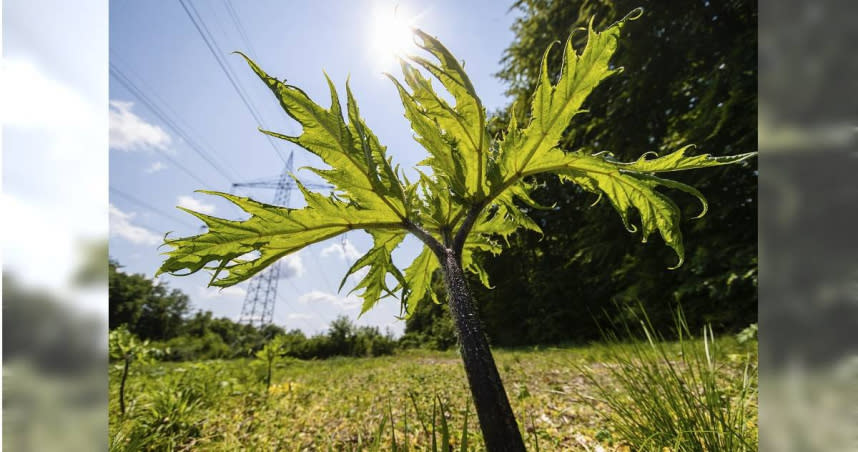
x: 391, y: 35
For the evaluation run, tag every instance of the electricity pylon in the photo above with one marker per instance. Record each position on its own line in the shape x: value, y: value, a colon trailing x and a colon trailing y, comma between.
x: 258, y: 307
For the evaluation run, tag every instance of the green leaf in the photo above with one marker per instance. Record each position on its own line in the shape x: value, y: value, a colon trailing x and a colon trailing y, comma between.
x: 456, y: 136
x: 678, y: 161
x: 124, y: 345
x: 628, y: 187
x: 473, y: 265
x: 463, y: 447
x: 418, y: 279
x: 439, y: 208
x: 360, y: 169
x: 554, y: 105
x: 445, y: 161
x: 379, y: 264
x: 272, y: 231
x: 369, y: 196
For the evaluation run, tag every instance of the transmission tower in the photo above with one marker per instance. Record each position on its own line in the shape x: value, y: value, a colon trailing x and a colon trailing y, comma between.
x: 258, y: 307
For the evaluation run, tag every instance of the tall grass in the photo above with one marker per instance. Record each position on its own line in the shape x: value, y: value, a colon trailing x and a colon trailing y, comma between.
x: 678, y: 396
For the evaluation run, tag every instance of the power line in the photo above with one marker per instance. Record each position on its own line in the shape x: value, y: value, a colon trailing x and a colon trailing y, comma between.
x: 162, y: 152
x: 322, y: 273
x: 322, y: 317
x: 312, y: 308
x: 303, y: 320
x: 239, y: 27
x: 241, y: 30
x: 155, y: 99
x: 215, y: 50
x: 169, y: 122
x: 149, y: 207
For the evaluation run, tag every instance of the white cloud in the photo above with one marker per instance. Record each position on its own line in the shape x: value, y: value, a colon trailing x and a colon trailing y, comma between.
x: 196, y: 205
x: 209, y: 293
x: 129, y: 132
x: 121, y: 226
x: 155, y: 167
x: 344, y: 250
x: 317, y: 296
x: 291, y: 266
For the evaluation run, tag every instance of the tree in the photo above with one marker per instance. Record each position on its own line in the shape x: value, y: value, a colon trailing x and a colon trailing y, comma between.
x: 126, y: 295
x: 467, y: 203
x: 150, y: 311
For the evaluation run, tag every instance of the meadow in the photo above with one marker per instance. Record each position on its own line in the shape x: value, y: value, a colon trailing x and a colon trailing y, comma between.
x: 565, y: 398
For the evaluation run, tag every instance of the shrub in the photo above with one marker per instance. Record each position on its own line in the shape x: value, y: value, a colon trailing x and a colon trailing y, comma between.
x: 190, y: 348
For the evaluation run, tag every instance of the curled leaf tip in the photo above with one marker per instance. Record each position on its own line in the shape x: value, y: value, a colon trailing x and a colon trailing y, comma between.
x: 704, y: 207
x: 166, y: 240
x: 576, y: 30
x: 678, y: 264
x: 634, y: 14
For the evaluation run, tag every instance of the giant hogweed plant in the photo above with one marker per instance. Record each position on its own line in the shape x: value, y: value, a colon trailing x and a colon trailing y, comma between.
x: 466, y: 203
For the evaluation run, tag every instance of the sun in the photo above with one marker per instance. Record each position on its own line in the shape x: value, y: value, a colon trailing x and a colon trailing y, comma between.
x: 391, y: 35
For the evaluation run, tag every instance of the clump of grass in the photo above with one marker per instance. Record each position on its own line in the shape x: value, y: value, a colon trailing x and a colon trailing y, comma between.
x: 431, y: 428
x: 168, y: 417
x: 685, y: 399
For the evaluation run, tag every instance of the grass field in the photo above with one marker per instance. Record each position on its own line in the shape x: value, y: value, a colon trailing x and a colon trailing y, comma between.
x: 376, y: 403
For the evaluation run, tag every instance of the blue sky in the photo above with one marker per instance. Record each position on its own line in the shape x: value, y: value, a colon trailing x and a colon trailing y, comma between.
x: 156, y: 46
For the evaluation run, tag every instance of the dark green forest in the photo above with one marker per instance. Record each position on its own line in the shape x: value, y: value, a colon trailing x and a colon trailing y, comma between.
x: 690, y: 78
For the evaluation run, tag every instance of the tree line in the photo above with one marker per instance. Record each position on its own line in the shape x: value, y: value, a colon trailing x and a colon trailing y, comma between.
x: 154, y: 312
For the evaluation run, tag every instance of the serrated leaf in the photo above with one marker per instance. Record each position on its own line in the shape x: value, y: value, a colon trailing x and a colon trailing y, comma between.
x: 678, y: 161
x: 554, y: 105
x: 443, y: 158
x: 379, y: 264
x: 455, y: 136
x: 359, y: 167
x: 628, y: 186
x: 369, y: 196
x: 628, y: 189
x: 272, y: 231
x: 418, y: 279
x: 470, y: 263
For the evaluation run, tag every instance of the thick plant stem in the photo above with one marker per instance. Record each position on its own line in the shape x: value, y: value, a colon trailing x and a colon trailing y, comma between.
x: 500, y: 430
